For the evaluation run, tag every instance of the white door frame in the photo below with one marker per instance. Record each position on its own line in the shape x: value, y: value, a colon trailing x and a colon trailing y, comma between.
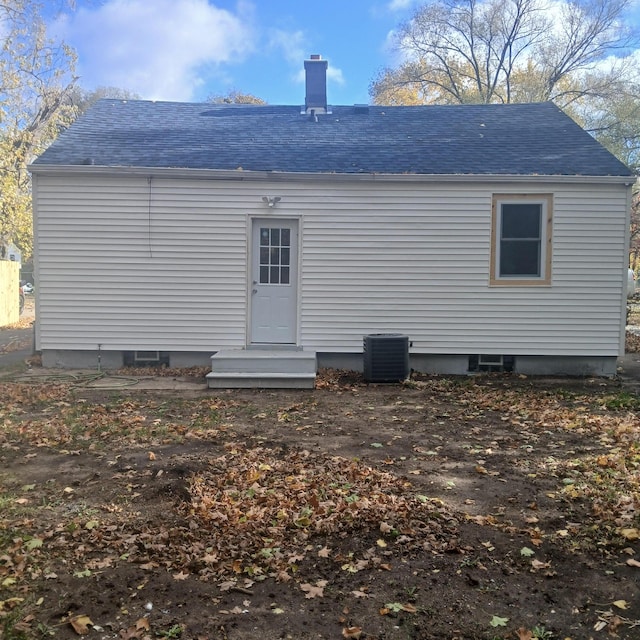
x: 284, y: 307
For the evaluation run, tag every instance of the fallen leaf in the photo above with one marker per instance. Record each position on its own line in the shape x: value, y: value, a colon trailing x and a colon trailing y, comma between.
x: 34, y: 543
x: 633, y: 563
x: 621, y: 604
x: 180, y: 576
x: 86, y: 573
x: 313, y: 591
x: 396, y: 607
x: 227, y: 585
x: 352, y: 632
x: 152, y: 456
x: 325, y: 552
x: 497, y: 621
x: 80, y: 624
x: 526, y: 552
x: 524, y: 634
x: 359, y: 594
x: 381, y: 543
x: 630, y: 534
x: 143, y: 623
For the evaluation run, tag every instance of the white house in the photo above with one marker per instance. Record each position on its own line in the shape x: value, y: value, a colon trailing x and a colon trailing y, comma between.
x: 493, y: 236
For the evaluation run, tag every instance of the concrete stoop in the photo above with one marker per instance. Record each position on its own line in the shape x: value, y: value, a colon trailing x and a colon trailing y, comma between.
x: 262, y: 369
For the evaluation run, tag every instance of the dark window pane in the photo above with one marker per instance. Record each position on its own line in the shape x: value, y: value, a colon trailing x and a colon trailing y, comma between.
x: 286, y: 238
x: 520, y: 258
x: 275, y: 279
x: 275, y: 237
x: 264, y: 237
x: 264, y: 275
x: 284, y: 257
x: 275, y: 256
x: 521, y: 220
x: 284, y: 275
x: 264, y: 255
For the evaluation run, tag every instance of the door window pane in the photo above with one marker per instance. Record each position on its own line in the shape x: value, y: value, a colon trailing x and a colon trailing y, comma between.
x: 275, y: 255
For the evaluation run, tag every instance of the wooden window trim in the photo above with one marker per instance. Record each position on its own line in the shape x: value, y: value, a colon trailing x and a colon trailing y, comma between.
x: 547, y: 200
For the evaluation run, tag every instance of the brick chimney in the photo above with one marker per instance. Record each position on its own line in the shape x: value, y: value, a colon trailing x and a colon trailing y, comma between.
x: 316, y: 84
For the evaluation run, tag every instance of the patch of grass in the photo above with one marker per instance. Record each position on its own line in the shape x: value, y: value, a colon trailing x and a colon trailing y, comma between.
x: 172, y: 633
x: 11, y: 626
x: 622, y: 401
x: 540, y: 633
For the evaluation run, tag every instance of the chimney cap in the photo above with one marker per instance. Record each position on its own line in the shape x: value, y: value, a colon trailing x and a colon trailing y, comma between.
x: 315, y: 56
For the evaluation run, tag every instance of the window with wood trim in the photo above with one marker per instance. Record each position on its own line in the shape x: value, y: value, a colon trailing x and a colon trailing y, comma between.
x: 521, y: 239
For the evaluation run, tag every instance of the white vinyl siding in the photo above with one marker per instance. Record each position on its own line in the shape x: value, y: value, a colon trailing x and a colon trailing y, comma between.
x: 126, y: 271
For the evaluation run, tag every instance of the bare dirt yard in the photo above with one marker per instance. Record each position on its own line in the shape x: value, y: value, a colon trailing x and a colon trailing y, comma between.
x: 490, y: 507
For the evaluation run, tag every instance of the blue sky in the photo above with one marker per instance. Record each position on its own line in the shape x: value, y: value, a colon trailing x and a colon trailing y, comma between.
x: 191, y: 49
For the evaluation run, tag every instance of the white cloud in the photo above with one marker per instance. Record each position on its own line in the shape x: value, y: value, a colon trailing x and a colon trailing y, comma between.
x: 292, y: 45
x: 401, y: 5
x: 335, y: 75
x: 159, y: 49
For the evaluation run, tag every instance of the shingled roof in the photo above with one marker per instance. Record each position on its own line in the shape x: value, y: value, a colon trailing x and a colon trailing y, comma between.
x: 514, y: 139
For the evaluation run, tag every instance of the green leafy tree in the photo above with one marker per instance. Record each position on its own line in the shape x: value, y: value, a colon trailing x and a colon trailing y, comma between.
x: 36, y: 77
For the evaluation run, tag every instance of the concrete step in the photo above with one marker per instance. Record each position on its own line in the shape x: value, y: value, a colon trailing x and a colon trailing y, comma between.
x: 216, y: 380
x: 264, y: 361
x: 262, y: 368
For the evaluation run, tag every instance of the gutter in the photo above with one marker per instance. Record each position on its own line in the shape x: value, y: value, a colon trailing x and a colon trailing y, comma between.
x: 242, y: 175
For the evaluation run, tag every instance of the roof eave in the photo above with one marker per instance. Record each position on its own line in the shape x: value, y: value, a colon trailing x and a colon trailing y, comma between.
x: 280, y: 176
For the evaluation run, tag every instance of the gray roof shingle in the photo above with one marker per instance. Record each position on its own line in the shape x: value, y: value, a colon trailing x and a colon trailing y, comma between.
x: 515, y: 139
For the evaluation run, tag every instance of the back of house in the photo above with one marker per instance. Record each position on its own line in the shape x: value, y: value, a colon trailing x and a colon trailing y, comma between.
x: 494, y: 237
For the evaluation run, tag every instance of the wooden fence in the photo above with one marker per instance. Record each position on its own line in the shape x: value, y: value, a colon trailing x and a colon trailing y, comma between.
x: 9, y: 292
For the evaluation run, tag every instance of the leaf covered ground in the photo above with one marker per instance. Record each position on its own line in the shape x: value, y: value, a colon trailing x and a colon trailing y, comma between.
x: 497, y: 507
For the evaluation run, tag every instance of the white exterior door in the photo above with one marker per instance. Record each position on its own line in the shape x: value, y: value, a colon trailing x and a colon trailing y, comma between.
x: 274, y: 281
